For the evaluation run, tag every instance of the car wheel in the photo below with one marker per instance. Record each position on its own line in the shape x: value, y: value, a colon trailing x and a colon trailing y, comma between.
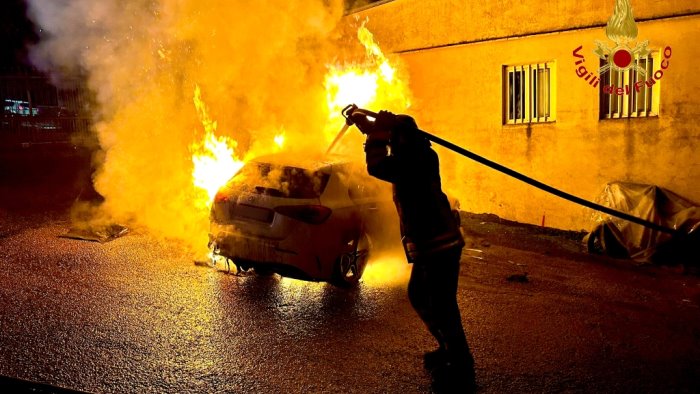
x: 350, y: 266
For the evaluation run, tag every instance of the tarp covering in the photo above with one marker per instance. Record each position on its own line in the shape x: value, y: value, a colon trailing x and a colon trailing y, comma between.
x: 621, y: 238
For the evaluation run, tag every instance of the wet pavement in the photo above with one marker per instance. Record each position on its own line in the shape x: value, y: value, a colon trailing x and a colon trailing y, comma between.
x: 137, y: 315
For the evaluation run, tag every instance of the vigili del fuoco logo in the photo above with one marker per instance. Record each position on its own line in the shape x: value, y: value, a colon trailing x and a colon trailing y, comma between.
x: 620, y: 55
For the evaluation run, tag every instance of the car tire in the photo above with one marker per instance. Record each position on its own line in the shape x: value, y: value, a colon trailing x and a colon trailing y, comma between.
x: 350, y: 266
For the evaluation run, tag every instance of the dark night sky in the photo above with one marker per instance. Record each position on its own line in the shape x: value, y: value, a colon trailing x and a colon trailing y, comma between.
x: 15, y: 32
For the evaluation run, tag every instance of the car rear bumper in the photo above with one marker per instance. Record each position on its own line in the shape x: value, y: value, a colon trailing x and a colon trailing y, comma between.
x: 277, y: 255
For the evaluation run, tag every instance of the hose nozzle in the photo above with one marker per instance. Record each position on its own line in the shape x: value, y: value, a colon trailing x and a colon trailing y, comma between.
x: 362, y: 118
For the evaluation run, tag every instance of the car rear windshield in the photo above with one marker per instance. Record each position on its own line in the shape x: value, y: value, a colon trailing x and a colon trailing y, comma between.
x: 281, y: 181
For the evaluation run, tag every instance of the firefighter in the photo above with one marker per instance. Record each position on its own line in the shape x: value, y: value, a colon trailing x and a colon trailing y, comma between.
x: 396, y: 152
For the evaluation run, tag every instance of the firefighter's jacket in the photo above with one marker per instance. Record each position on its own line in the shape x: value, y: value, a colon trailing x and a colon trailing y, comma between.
x: 428, y: 224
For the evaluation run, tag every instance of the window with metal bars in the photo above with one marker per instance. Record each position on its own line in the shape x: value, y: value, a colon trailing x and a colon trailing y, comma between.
x: 630, y: 93
x: 529, y: 95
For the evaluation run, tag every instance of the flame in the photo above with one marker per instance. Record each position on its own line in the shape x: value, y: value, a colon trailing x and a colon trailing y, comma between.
x: 621, y: 26
x: 372, y: 84
x: 279, y: 140
x: 373, y: 51
x: 213, y: 158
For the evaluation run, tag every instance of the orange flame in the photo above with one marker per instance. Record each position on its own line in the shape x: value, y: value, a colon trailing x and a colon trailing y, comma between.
x: 372, y: 84
x: 213, y: 158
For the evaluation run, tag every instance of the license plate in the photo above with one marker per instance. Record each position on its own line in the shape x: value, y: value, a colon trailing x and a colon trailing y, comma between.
x: 251, y: 212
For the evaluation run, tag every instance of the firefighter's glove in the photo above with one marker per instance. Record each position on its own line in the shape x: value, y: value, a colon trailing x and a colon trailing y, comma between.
x: 386, y: 121
x: 363, y: 123
x: 382, y: 128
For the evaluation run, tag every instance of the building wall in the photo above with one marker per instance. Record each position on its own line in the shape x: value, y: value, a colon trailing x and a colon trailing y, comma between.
x: 459, y: 92
x: 403, y: 25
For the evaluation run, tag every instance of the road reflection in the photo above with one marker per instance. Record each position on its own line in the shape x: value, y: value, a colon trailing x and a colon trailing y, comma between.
x: 301, y: 308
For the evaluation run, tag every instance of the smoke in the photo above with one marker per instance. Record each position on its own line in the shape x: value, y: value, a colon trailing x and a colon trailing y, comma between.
x: 260, y: 67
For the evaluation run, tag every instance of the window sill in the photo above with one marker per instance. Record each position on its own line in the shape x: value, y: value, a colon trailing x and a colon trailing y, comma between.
x: 547, y: 122
x: 650, y: 116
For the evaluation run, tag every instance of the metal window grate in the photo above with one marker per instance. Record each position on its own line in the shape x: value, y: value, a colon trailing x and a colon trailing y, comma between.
x: 528, y: 93
x: 626, y: 93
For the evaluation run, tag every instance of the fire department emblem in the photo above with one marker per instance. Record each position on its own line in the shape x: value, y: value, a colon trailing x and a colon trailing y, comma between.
x: 622, y: 30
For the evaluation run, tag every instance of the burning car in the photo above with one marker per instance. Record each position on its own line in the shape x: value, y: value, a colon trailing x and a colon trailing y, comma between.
x: 302, y: 218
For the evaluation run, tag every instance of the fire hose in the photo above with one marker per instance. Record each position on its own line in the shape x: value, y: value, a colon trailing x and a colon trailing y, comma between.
x: 353, y: 111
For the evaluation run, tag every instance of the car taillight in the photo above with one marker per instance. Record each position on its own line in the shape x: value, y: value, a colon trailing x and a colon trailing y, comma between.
x: 221, y: 197
x: 313, y: 214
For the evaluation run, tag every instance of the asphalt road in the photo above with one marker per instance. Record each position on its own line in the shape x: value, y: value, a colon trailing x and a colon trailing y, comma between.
x: 137, y: 315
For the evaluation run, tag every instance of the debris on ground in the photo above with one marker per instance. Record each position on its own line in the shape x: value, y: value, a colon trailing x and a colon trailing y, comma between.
x: 201, y: 263
x: 89, y: 221
x: 476, y: 254
x: 518, y: 264
x: 226, y: 265
x: 98, y: 233
x: 518, y: 278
